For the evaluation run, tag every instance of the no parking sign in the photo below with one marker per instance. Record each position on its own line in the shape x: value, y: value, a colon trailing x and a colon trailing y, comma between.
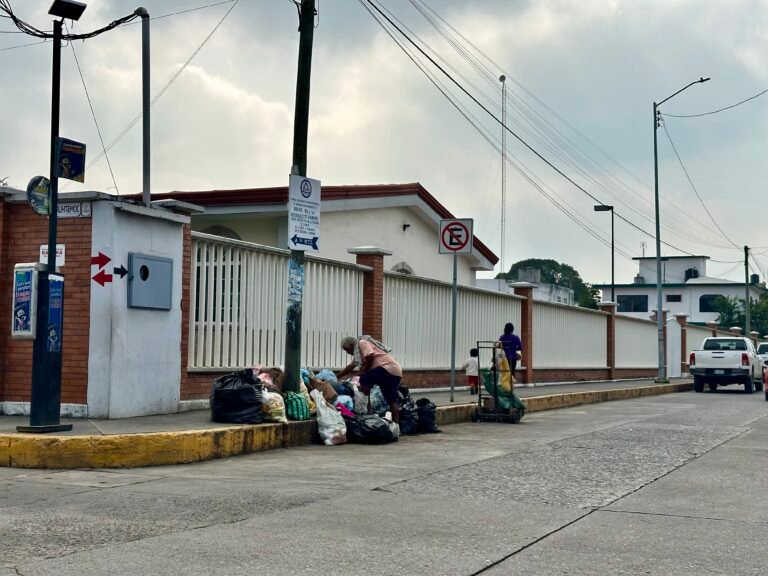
x: 456, y: 236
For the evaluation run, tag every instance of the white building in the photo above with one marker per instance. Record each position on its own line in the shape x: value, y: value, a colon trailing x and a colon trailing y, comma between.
x: 542, y: 291
x: 403, y: 218
x: 686, y: 289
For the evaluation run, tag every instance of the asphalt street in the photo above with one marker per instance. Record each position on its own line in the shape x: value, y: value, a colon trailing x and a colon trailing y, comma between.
x: 668, y: 485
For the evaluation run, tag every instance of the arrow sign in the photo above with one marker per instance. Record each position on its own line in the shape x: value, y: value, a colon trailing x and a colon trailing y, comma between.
x: 299, y: 241
x: 121, y: 271
x: 101, y: 260
x: 102, y: 277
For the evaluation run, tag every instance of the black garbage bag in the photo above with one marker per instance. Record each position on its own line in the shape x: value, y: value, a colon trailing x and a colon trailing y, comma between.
x: 236, y: 399
x: 409, y: 418
x: 427, y: 412
x: 370, y: 429
x: 403, y: 394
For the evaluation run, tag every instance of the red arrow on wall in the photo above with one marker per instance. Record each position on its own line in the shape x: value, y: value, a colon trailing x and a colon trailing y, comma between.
x: 102, y: 277
x: 101, y: 260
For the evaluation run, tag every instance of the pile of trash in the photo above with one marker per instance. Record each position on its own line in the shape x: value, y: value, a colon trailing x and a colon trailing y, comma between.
x: 344, y: 412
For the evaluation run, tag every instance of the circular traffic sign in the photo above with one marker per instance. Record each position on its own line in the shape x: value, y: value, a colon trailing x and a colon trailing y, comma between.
x: 39, y: 195
x: 455, y: 236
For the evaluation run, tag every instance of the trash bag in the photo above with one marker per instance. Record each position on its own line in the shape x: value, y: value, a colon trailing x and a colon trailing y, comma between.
x: 327, y: 376
x: 330, y: 424
x: 346, y: 401
x: 273, y: 407
x: 506, y: 378
x: 379, y: 404
x: 236, y: 399
x: 343, y: 388
x: 296, y: 406
x: 404, y: 393
x: 506, y: 400
x: 371, y: 429
x: 311, y: 403
x: 361, y: 401
x: 427, y: 413
x: 324, y: 388
x: 409, y: 418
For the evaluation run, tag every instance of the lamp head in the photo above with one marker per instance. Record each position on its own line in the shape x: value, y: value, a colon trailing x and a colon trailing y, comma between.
x: 702, y: 80
x: 603, y: 208
x: 67, y: 9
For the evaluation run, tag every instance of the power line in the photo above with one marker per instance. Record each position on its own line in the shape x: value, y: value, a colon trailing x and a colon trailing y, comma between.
x: 693, y: 186
x: 23, y: 45
x: 93, y: 114
x: 523, y: 142
x: 718, y: 110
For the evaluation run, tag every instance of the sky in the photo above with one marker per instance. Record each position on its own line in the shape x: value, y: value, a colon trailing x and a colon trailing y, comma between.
x: 582, y: 79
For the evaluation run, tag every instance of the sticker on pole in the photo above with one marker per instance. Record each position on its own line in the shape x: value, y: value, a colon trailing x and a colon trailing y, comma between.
x: 456, y: 236
x: 303, y: 214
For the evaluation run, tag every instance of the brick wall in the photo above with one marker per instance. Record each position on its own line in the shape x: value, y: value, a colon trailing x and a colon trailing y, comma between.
x: 185, y: 310
x: 373, y: 295
x: 21, y: 234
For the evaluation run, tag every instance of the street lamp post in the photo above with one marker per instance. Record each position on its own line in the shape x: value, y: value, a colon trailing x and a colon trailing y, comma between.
x: 662, y: 374
x: 604, y: 208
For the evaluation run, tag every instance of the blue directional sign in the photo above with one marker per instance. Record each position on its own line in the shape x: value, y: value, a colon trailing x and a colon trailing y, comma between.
x: 299, y: 241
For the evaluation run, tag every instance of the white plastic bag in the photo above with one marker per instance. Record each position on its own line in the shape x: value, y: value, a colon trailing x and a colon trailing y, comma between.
x: 330, y: 423
x: 379, y: 404
x: 273, y: 406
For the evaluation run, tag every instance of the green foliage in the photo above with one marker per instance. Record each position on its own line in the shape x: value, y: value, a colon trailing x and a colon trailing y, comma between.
x: 554, y: 272
x: 730, y: 312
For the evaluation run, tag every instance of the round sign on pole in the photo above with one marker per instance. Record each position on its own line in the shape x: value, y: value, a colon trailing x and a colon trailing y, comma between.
x: 39, y: 195
x: 456, y: 236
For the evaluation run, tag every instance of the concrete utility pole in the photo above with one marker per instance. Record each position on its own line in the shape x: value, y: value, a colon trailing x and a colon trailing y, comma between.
x: 145, y: 105
x: 300, y: 129
x: 747, y: 303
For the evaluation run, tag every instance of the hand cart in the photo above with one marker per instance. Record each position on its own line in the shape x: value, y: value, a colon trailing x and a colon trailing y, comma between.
x: 505, y: 407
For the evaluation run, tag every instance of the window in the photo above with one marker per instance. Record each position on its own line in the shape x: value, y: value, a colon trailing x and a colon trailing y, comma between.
x: 708, y: 302
x: 725, y: 344
x: 763, y: 348
x: 632, y: 303
x: 402, y: 268
x: 674, y: 298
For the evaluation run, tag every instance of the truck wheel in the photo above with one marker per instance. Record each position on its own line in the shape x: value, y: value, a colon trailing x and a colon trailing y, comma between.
x: 759, y: 385
x: 748, y: 386
x: 698, y: 384
x: 712, y: 386
x: 766, y: 396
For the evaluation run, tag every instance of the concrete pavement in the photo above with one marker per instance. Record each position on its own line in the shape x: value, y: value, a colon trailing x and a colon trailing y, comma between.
x: 663, y: 485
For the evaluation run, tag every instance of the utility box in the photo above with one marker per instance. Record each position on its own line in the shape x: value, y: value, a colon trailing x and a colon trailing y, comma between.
x: 150, y: 282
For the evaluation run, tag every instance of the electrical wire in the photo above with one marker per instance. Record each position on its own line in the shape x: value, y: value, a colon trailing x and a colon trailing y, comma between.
x: 514, y: 134
x: 93, y: 114
x: 23, y: 45
x: 719, y: 109
x: 693, y: 186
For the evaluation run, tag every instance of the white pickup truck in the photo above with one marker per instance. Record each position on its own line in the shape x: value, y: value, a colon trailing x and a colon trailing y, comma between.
x: 726, y: 360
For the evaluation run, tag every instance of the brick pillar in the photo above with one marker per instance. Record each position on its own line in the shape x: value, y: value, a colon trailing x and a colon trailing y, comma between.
x: 755, y: 336
x: 682, y: 319
x: 610, y: 353
x: 526, y: 330
x: 373, y: 289
x: 4, y: 294
x: 185, y: 307
x: 712, y: 325
x: 735, y: 330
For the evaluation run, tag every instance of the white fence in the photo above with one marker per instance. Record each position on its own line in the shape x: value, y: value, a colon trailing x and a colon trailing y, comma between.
x: 568, y: 337
x: 238, y: 295
x: 417, y: 320
x: 636, y: 343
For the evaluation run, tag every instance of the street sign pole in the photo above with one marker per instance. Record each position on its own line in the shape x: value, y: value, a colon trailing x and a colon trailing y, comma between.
x: 453, y: 323
x: 45, y: 399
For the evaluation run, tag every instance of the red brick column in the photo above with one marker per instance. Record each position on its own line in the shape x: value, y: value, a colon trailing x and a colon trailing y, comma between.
x: 373, y: 289
x: 4, y: 281
x: 185, y: 308
x: 610, y: 353
x: 712, y: 325
x: 735, y: 330
x: 526, y: 330
x: 682, y: 319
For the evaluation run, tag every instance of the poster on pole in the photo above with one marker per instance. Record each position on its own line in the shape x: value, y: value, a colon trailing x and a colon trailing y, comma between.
x: 71, y: 156
x: 303, y: 214
x: 55, y: 312
x: 455, y: 236
x: 24, y: 302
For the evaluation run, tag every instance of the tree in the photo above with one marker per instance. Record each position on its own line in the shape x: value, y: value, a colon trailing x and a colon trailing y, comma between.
x: 554, y: 272
x: 730, y: 312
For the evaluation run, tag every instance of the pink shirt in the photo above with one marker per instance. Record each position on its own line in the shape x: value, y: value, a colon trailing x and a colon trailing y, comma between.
x: 380, y: 359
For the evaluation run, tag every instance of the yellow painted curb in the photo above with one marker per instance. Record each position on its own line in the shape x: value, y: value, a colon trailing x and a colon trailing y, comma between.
x: 165, y: 448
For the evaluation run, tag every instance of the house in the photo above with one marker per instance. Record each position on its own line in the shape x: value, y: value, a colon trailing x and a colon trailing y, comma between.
x: 686, y: 289
x: 402, y: 218
x: 542, y: 291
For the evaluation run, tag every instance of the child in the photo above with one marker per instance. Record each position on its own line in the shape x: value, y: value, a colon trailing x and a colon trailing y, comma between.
x: 472, y: 368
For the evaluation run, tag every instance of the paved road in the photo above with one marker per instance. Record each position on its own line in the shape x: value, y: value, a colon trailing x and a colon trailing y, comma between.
x: 669, y: 485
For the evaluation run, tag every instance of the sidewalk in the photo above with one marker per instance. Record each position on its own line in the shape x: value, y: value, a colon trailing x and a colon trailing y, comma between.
x: 192, y: 437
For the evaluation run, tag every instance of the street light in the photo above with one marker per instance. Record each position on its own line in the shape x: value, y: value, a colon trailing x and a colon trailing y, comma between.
x: 604, y: 208
x: 662, y: 374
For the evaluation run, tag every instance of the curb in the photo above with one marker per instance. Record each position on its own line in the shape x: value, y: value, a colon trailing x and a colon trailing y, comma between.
x: 168, y: 448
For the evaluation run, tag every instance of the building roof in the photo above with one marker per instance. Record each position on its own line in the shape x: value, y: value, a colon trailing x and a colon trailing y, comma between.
x: 279, y: 195
x: 693, y: 282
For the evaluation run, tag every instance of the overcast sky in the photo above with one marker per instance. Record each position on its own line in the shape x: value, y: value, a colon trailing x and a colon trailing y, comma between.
x: 597, y: 64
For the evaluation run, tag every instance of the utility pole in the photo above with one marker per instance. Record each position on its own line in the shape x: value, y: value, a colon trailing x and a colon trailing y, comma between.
x: 503, y: 80
x: 145, y: 105
x: 747, y: 303
x: 300, y: 129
